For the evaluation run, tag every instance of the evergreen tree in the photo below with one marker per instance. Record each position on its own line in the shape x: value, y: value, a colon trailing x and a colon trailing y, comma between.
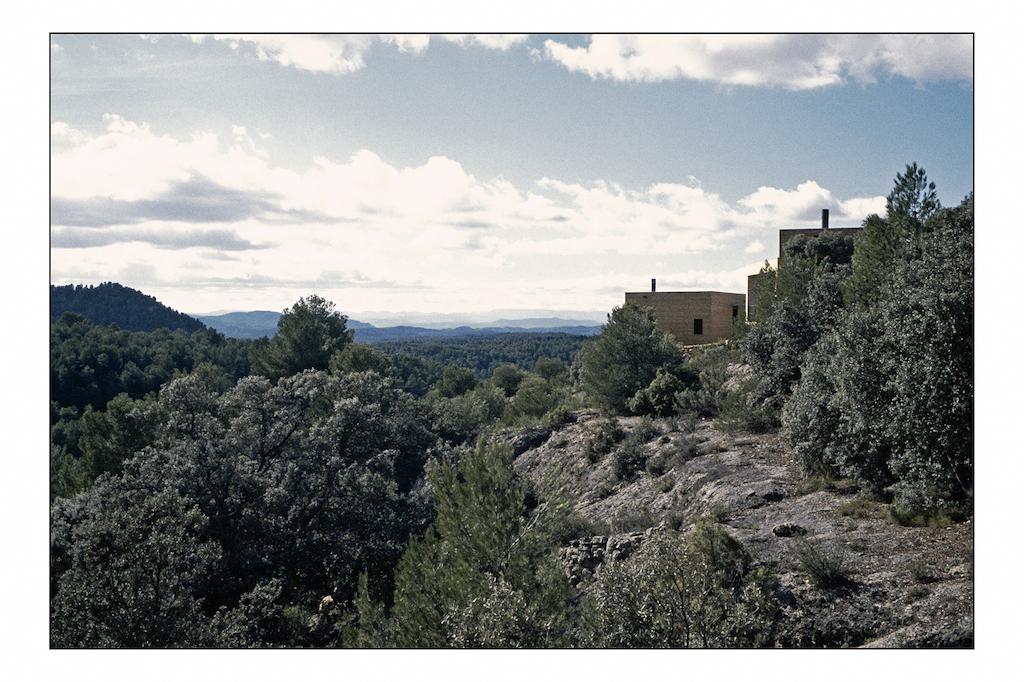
x: 482, y: 575
x: 308, y: 334
x: 625, y: 357
x: 885, y: 242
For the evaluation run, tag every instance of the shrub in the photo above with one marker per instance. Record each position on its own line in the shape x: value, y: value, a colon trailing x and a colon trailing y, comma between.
x: 658, y: 399
x: 666, y: 484
x: 887, y: 396
x: 697, y: 590
x: 507, y: 377
x: 455, y: 381
x: 630, y: 521
x: 920, y: 571
x: 825, y: 570
x: 920, y: 518
x: 534, y: 398
x: 628, y: 460
x: 631, y: 457
x: 552, y: 369
x: 359, y: 357
x: 602, y: 439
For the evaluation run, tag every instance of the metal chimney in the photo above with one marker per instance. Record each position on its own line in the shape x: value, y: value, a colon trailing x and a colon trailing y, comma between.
x: 654, y: 285
x: 824, y: 218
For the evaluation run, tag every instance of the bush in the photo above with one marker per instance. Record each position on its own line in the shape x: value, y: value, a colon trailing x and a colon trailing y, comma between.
x: 697, y: 590
x: 507, y: 377
x: 602, y: 439
x: 628, y: 460
x: 534, y: 398
x: 552, y: 369
x: 887, y: 397
x: 631, y: 457
x: 359, y: 357
x: 455, y: 381
x: 658, y: 399
x: 824, y: 570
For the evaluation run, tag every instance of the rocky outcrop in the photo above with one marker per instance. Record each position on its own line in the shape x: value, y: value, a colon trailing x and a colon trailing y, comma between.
x: 584, y: 557
x: 751, y: 485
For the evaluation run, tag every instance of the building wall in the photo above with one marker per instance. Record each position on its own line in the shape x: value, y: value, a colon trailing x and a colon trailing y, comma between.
x: 676, y: 311
x: 756, y: 280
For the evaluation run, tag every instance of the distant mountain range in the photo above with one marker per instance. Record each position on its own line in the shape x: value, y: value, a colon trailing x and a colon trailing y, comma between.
x: 114, y: 304
x: 259, y: 323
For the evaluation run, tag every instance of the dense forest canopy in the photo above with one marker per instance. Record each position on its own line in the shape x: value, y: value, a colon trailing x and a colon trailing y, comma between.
x: 111, y: 303
x: 308, y: 490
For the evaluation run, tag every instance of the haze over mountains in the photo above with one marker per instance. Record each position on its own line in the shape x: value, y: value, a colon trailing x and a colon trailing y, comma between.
x: 257, y: 323
x: 127, y: 308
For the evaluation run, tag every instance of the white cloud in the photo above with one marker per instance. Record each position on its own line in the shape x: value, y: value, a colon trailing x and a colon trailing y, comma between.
x: 330, y: 53
x: 795, y: 62
x: 756, y: 246
x: 340, y: 54
x: 436, y: 235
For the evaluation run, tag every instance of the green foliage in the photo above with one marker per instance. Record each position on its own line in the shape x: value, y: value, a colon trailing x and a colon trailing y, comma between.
x: 825, y: 569
x: 602, y: 439
x: 552, y: 369
x: 110, y: 303
x: 309, y: 481
x: 484, y: 353
x: 913, y: 198
x: 112, y: 436
x: 536, y: 397
x: 810, y: 303
x: 625, y: 358
x: 90, y: 365
x: 694, y: 591
x: 658, y: 399
x: 484, y: 574
x: 885, y: 243
x: 455, y: 381
x: 308, y: 334
x: 705, y: 375
x: 826, y: 246
x: 359, y: 357
x: 630, y: 458
x: 887, y: 398
x: 507, y: 377
x: 463, y: 418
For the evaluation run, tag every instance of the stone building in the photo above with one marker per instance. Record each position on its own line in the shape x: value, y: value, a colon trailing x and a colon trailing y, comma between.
x: 756, y: 281
x: 692, y: 317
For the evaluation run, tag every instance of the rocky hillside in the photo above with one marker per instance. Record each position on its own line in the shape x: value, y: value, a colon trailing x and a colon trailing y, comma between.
x: 897, y: 587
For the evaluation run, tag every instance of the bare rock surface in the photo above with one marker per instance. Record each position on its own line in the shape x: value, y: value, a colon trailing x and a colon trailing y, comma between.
x: 907, y: 587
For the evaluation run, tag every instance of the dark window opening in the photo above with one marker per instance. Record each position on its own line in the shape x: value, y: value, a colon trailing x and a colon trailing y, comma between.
x: 698, y: 327
x: 735, y: 311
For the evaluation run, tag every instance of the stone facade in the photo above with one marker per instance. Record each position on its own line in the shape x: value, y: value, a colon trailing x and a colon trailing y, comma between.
x: 683, y: 313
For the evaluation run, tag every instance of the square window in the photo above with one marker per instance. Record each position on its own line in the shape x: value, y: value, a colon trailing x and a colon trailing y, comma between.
x: 698, y: 327
x: 735, y: 311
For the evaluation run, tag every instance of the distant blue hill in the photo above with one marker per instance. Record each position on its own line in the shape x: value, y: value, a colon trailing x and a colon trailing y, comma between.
x: 259, y: 323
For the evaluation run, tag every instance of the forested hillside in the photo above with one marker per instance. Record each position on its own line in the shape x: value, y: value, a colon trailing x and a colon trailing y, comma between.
x: 112, y: 303
x: 541, y: 489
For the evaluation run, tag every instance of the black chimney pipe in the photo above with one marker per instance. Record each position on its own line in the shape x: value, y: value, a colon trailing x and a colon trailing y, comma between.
x: 824, y: 218
x: 654, y: 286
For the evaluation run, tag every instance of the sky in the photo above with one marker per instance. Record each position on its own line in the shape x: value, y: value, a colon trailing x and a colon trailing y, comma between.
x: 402, y: 174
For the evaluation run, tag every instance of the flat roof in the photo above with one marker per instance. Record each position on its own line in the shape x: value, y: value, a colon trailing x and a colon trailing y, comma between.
x: 823, y: 229
x: 731, y: 293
